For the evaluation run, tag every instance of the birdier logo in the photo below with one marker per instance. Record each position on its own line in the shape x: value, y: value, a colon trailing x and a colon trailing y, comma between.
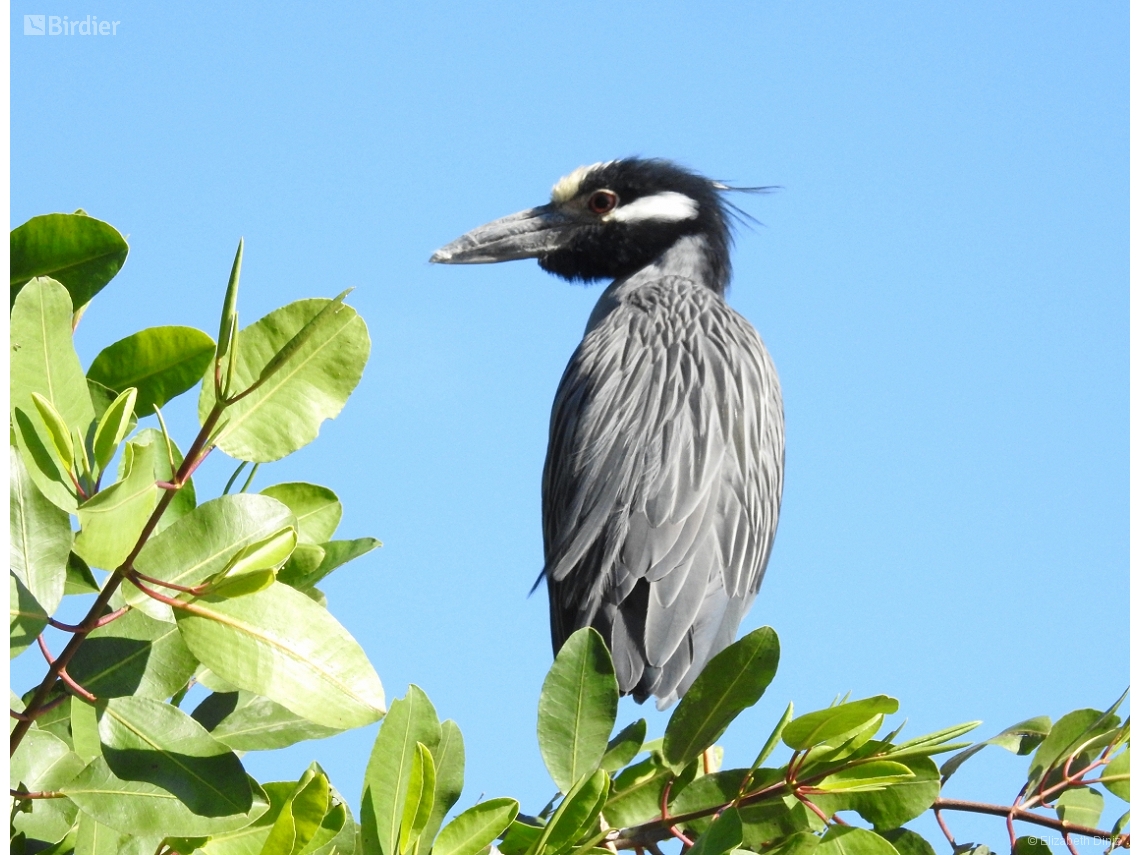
x: 54, y: 25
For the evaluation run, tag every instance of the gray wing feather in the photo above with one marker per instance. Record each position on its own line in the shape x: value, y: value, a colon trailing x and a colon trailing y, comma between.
x: 662, y: 484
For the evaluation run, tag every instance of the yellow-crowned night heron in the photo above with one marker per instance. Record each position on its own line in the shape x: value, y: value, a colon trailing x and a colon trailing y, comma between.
x: 665, y: 465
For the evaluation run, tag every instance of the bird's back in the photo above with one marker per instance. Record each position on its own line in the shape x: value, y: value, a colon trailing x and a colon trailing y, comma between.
x: 663, y: 479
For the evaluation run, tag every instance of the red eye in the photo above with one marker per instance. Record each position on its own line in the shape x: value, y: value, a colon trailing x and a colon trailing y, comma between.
x: 603, y: 201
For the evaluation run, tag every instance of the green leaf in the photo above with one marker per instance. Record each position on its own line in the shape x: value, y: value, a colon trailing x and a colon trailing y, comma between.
x: 853, y: 841
x: 908, y: 842
x: 94, y: 838
x: 286, y: 411
x: 84, y: 730
x: 897, y: 803
x: 80, y: 579
x: 80, y: 251
x: 134, y: 655
x: 708, y: 791
x: 228, y: 324
x: 44, y: 762
x: 722, y: 836
x: 1118, y: 766
x: 636, y: 795
x: 875, y: 775
x: 316, y: 508
x: 111, y: 521
x: 577, y: 708
x: 411, y: 720
x: 817, y: 727
x: 769, y: 821
x: 1069, y: 733
x: 280, y: 644
x: 143, y: 808
x: 305, y: 573
x: 254, y: 567
x: 185, y: 499
x: 519, y: 837
x: 1020, y: 738
x: 113, y: 427
x: 26, y: 617
x: 576, y: 814
x: 733, y: 680
x: 774, y: 737
x: 1080, y: 806
x: 420, y: 799
x: 58, y: 431
x: 449, y: 759
x: 40, y: 537
x: 301, y: 815
x: 161, y: 362
x: 800, y: 843
x: 43, y: 360
x: 203, y: 542
x: 624, y: 747
x: 1031, y: 845
x: 248, y: 722
x: 476, y: 828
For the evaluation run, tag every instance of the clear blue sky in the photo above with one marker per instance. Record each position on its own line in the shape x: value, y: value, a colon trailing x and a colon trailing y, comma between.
x: 942, y: 281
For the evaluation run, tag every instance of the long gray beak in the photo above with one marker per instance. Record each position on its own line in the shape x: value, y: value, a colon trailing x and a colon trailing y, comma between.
x: 527, y: 234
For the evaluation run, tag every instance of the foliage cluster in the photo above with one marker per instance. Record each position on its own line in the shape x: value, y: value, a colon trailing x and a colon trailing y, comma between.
x: 223, y: 593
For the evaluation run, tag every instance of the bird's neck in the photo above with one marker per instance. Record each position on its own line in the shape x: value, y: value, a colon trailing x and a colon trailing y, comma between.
x: 690, y: 257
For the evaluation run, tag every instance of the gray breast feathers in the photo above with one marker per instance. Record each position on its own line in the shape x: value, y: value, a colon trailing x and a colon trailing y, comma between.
x: 662, y: 484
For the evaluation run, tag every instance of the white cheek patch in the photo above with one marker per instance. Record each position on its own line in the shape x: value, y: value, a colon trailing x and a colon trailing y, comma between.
x: 669, y: 207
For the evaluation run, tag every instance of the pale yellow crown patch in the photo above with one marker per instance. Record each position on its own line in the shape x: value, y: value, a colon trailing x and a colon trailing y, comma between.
x: 567, y: 186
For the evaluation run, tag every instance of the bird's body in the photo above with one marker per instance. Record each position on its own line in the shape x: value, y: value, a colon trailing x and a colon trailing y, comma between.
x: 664, y: 471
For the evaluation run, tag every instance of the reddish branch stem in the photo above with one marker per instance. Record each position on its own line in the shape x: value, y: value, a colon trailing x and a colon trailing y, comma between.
x: 194, y: 456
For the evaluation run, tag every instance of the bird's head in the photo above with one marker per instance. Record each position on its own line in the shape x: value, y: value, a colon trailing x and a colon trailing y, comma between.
x: 607, y: 221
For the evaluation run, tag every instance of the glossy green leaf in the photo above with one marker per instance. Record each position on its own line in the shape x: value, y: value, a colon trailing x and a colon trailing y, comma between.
x: 58, y: 431
x: 317, y: 509
x: 768, y: 821
x: 40, y: 537
x: 247, y: 840
x: 576, y: 814
x: 111, y: 521
x: 84, y: 729
x: 44, y: 762
x: 706, y: 792
x: 248, y: 722
x: 411, y: 720
x: 94, y: 838
x: 800, y: 843
x: 853, y: 841
x: 80, y: 579
x: 1020, y: 738
x: 449, y: 757
x: 113, y: 427
x: 26, y: 617
x: 1115, y: 776
x: 420, y: 799
x: 228, y: 324
x: 896, y: 802
x: 866, y: 776
x: 624, y: 747
x: 134, y: 655
x: 254, y: 567
x: 732, y: 681
x: 43, y: 360
x: 161, y: 362
x: 907, y: 842
x: 306, y: 572
x: 722, y: 836
x: 476, y: 828
x: 300, y: 817
x: 774, y: 737
x: 1080, y: 806
x: 1069, y: 733
x: 185, y: 499
x: 286, y: 411
x: 1031, y: 845
x: 577, y: 708
x: 203, y: 542
x: 636, y: 795
x: 280, y: 644
x: 80, y: 251
x: 817, y: 727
